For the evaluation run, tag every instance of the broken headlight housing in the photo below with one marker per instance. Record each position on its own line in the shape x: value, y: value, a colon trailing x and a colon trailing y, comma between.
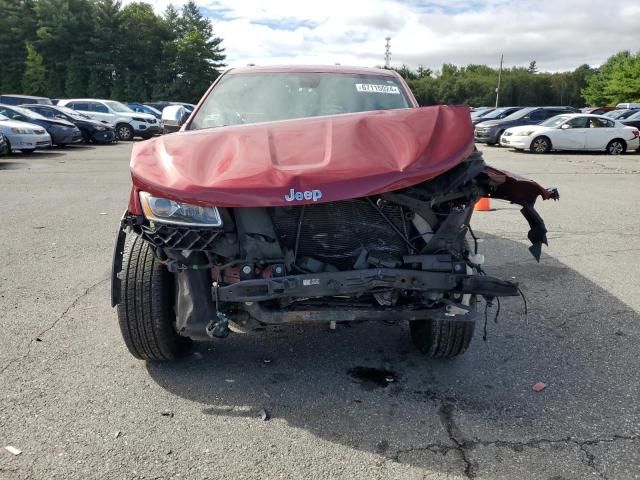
x: 163, y: 210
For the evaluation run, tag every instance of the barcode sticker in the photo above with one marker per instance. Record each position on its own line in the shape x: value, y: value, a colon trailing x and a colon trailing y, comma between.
x: 375, y: 88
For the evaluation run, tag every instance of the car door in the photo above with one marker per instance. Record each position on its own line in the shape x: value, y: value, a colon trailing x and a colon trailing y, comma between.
x: 100, y: 112
x: 601, y: 132
x: 80, y: 107
x: 572, y: 134
x: 535, y: 117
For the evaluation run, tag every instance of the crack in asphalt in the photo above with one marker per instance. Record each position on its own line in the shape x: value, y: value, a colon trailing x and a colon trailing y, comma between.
x: 463, y: 446
x: 75, y: 301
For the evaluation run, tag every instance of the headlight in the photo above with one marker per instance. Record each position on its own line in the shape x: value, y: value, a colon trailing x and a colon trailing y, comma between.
x: 163, y: 210
x: 525, y: 133
x: 23, y: 131
x: 100, y: 129
x: 138, y: 119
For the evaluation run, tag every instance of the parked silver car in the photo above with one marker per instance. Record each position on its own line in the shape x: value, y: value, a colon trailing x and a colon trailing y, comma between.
x: 24, y: 136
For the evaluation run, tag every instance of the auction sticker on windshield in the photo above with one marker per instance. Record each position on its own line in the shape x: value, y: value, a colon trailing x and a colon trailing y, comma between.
x: 370, y: 87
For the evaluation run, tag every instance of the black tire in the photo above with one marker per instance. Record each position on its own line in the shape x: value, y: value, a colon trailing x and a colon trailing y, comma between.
x: 617, y: 146
x: 124, y: 132
x: 28, y: 151
x: 540, y: 144
x: 145, y: 311
x: 441, y: 338
x: 498, y: 138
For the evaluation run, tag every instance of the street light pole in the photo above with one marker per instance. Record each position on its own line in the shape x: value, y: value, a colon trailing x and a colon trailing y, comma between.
x: 499, y: 78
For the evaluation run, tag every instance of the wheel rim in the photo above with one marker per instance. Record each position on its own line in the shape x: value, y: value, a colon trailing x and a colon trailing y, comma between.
x: 615, y: 148
x: 540, y: 145
x: 124, y: 133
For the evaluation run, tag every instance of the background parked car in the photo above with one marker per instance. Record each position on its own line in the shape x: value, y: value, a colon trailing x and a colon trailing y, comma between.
x: 92, y: 130
x: 597, y: 110
x: 22, y: 99
x: 4, y: 146
x: 620, y: 114
x: 495, y: 114
x: 129, y: 124
x: 139, y: 107
x: 628, y: 106
x: 490, y: 131
x: 632, y: 120
x: 475, y: 114
x: 573, y: 132
x: 61, y: 131
x: 23, y: 136
x: 160, y: 105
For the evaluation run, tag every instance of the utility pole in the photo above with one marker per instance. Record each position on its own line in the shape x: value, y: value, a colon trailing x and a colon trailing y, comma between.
x: 387, y: 53
x: 499, y: 78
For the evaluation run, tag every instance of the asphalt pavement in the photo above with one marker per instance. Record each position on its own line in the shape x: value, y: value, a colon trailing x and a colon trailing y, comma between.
x: 78, y: 406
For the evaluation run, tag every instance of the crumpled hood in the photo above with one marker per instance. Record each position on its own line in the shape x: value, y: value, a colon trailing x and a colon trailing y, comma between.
x: 318, y: 159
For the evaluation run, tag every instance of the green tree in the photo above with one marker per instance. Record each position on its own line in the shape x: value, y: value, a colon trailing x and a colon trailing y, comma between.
x: 34, y: 80
x: 198, y: 54
x: 17, y: 28
x: 597, y: 90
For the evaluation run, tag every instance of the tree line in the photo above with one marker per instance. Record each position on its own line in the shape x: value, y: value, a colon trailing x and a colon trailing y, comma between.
x: 616, y: 81
x: 98, y: 48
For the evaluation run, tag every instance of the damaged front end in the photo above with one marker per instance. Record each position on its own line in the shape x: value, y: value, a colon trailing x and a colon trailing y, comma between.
x: 406, y: 254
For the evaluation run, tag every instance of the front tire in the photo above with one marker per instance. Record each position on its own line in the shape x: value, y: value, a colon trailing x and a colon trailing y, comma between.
x: 540, y: 145
x: 616, y: 147
x: 124, y: 132
x: 145, y: 311
x: 441, y: 338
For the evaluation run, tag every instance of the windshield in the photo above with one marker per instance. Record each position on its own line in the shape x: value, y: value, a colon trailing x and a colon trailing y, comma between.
x: 267, y: 97
x: 72, y: 113
x: 118, y: 107
x: 635, y: 116
x: 495, y: 114
x: 517, y: 115
x: 616, y: 113
x: 481, y: 113
x: 28, y: 113
x: 555, y: 121
x: 151, y: 109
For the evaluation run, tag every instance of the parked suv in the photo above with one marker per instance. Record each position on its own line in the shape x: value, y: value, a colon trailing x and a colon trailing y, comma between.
x: 310, y: 195
x: 490, y: 131
x: 129, y: 124
x: 22, y: 99
x: 495, y: 114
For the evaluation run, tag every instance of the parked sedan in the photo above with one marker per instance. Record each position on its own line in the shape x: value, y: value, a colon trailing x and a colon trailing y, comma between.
x: 61, y: 131
x: 92, y: 130
x: 621, y: 114
x: 490, y: 131
x: 632, y: 120
x: 573, y: 132
x: 22, y: 136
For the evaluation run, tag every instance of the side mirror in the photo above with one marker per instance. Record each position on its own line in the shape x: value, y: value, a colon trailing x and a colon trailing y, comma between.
x: 174, y: 115
x: 565, y: 126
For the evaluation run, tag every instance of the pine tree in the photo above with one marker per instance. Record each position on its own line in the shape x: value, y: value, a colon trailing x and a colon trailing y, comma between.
x: 34, y: 80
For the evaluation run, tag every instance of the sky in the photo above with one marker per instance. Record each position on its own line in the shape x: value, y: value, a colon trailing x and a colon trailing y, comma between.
x: 559, y: 34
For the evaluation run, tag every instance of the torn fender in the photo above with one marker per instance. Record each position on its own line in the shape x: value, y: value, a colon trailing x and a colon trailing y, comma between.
x: 524, y: 192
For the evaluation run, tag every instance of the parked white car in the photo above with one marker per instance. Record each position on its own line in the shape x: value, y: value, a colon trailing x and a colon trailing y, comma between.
x: 128, y: 123
x: 24, y: 136
x: 573, y: 132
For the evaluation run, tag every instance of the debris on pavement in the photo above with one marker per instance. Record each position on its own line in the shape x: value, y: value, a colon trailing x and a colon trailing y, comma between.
x: 538, y: 387
x: 117, y: 434
x: 167, y: 413
x: 264, y: 415
x: 13, y: 450
x: 266, y: 360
